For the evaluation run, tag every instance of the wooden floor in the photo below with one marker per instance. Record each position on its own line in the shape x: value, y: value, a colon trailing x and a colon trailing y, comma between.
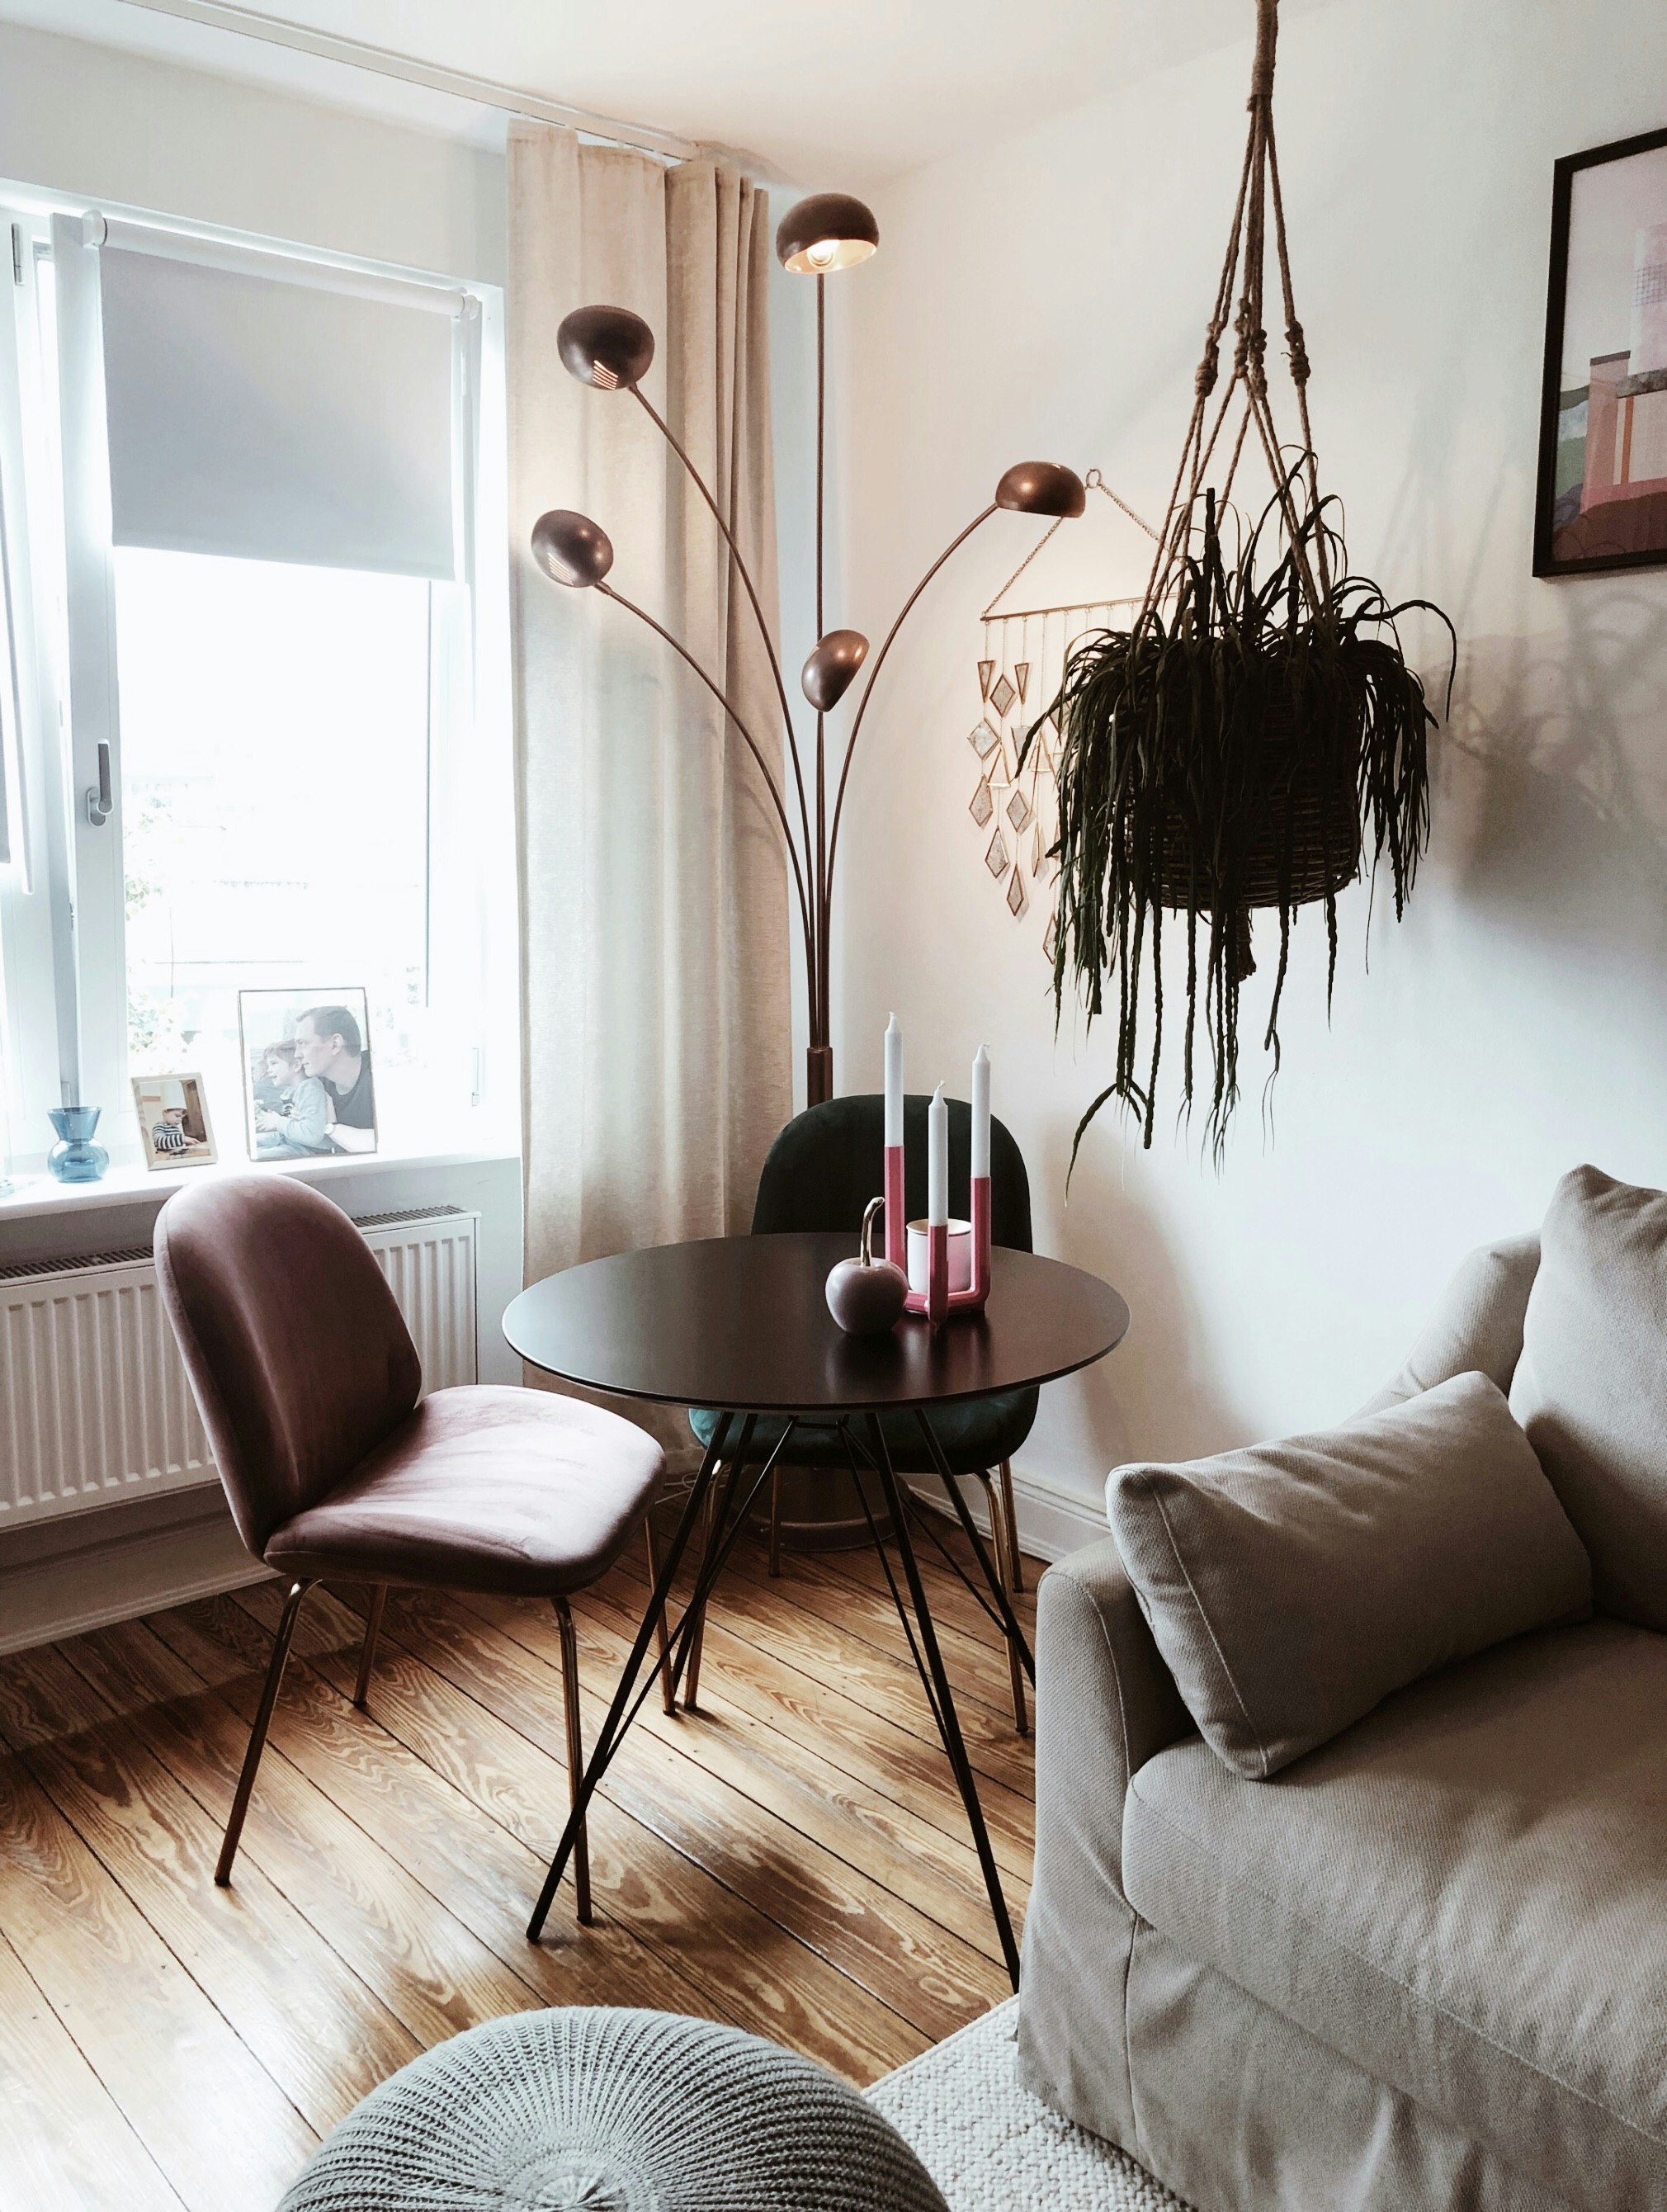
x: 793, y: 1859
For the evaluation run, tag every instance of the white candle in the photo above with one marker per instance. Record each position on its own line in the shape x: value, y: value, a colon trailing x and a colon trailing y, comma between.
x: 981, y: 1113
x: 937, y: 1160
x: 894, y: 1083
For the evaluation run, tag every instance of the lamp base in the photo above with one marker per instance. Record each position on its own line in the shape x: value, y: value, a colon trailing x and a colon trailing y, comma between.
x: 818, y: 1074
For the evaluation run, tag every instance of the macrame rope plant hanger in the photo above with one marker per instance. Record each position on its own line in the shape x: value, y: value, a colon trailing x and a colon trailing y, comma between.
x: 1231, y: 748
x: 1015, y: 799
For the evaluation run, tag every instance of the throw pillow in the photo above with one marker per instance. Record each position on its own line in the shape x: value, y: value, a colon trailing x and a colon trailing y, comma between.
x: 1291, y: 1587
x: 1593, y: 1388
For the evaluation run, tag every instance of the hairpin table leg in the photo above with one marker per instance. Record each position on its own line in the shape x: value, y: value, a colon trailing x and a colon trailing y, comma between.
x: 930, y: 1659
x: 992, y: 1572
x: 616, y: 1712
x: 623, y: 1710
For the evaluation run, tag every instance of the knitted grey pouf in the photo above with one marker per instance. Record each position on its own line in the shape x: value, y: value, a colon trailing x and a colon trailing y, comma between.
x: 613, y: 2112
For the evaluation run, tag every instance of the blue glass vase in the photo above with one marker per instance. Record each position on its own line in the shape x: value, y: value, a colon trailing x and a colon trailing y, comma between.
x: 76, y: 1157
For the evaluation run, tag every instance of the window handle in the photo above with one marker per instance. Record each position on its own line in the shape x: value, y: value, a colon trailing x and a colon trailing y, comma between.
x: 99, y: 804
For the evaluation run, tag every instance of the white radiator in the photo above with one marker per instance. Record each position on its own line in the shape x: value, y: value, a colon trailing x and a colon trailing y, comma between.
x: 95, y: 1406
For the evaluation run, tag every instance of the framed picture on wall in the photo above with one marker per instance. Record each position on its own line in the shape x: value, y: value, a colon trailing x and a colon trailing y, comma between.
x: 306, y: 1073
x: 173, y: 1121
x: 1603, y: 483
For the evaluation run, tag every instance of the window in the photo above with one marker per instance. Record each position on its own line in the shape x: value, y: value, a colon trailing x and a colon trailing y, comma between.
x: 274, y: 804
x: 261, y: 726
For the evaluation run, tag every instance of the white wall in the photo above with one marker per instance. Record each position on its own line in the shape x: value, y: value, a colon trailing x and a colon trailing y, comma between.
x: 112, y: 124
x: 1046, y: 297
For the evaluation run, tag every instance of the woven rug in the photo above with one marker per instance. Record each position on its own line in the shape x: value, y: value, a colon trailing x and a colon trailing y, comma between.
x: 991, y: 2147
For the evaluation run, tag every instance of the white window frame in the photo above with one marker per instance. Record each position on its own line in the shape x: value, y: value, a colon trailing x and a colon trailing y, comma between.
x: 36, y: 899
x: 63, y: 895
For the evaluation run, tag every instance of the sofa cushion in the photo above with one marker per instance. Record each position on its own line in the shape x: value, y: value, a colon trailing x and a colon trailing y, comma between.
x: 1477, y: 1325
x: 1591, y: 1389
x: 1464, y: 1894
x: 1290, y: 1586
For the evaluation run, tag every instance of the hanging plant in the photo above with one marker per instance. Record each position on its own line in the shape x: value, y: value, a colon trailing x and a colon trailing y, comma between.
x: 1257, y: 723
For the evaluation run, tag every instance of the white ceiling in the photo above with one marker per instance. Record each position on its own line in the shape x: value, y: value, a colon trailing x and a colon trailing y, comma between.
x: 820, y: 91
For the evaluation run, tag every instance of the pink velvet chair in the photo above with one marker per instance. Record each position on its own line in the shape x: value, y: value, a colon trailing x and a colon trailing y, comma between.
x: 335, y: 1469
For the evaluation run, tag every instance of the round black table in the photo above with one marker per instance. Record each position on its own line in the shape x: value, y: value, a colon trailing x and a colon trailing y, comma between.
x: 741, y: 1324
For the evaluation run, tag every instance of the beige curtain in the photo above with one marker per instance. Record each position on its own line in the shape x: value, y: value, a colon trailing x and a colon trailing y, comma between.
x: 654, y: 946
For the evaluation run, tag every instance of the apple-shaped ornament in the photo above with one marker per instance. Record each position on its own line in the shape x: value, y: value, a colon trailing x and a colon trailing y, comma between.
x: 865, y: 1295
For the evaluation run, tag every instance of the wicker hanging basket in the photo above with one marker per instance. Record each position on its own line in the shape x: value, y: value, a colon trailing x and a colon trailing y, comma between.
x: 1299, y: 840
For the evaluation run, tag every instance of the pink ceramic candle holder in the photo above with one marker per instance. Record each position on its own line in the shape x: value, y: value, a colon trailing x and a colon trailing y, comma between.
x: 937, y: 1302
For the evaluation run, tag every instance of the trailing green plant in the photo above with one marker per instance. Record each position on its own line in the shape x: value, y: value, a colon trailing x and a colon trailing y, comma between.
x: 1225, y: 753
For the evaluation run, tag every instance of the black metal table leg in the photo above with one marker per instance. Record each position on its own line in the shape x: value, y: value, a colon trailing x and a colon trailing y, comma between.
x: 623, y: 1711
x: 943, y: 1700
x: 1009, y: 1621
x: 653, y: 1613
x: 714, y: 1560
x: 1000, y: 1614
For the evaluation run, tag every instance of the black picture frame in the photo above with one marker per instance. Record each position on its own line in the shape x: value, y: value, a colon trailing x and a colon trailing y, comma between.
x: 1546, y: 561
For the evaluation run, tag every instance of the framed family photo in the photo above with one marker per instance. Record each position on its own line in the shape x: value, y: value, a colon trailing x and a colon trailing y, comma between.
x: 173, y: 1121
x: 308, y: 1089
x: 1602, y: 479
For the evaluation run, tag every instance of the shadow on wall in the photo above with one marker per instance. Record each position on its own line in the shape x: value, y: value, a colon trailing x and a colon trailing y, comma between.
x: 1160, y: 1394
x: 1549, y: 869
x: 1555, y: 776
x: 1549, y: 797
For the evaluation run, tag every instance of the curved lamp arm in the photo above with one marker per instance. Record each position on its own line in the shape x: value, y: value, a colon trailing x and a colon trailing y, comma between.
x: 682, y: 652
x: 954, y: 545
x: 699, y: 482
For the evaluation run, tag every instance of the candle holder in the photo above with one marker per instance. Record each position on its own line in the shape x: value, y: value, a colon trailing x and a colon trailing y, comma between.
x: 937, y: 1303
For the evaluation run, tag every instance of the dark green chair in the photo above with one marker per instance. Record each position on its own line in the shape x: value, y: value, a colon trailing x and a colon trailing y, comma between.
x: 821, y: 1173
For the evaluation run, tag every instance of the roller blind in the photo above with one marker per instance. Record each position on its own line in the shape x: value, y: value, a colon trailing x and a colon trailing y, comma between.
x: 10, y: 690
x: 277, y: 419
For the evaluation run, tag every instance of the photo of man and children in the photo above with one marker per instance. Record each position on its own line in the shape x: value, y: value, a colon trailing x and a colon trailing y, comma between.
x: 306, y: 1063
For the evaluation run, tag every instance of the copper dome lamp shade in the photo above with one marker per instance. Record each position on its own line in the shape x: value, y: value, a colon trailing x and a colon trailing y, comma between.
x: 610, y: 350
x: 829, y: 231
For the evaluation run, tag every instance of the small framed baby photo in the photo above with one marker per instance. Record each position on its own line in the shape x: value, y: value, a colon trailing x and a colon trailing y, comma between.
x: 306, y: 1068
x: 173, y: 1121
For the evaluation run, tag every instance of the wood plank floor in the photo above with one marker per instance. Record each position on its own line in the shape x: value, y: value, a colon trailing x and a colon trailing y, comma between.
x: 793, y: 1858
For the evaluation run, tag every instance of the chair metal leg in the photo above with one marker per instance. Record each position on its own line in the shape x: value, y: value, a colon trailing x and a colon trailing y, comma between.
x: 667, y: 1694
x: 1005, y: 1557
x: 367, y: 1652
x: 621, y: 1709
x: 697, y: 1635
x: 581, y: 1860
x: 929, y: 1660
x: 1016, y: 1567
x: 1002, y: 1543
x: 775, y: 1523
x: 1016, y: 1674
x: 269, y: 1697
x: 993, y: 1579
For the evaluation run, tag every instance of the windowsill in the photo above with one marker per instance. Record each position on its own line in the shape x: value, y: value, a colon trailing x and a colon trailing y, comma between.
x: 127, y: 1184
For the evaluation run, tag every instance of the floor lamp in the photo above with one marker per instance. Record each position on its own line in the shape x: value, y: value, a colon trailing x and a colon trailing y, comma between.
x: 611, y: 349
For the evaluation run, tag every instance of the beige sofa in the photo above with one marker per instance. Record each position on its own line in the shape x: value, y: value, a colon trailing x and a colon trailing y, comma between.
x: 1425, y: 1965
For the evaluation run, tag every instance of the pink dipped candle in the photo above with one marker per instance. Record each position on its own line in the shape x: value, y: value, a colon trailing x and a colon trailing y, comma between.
x: 937, y: 1208
x: 896, y: 1218
x: 979, y: 1206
